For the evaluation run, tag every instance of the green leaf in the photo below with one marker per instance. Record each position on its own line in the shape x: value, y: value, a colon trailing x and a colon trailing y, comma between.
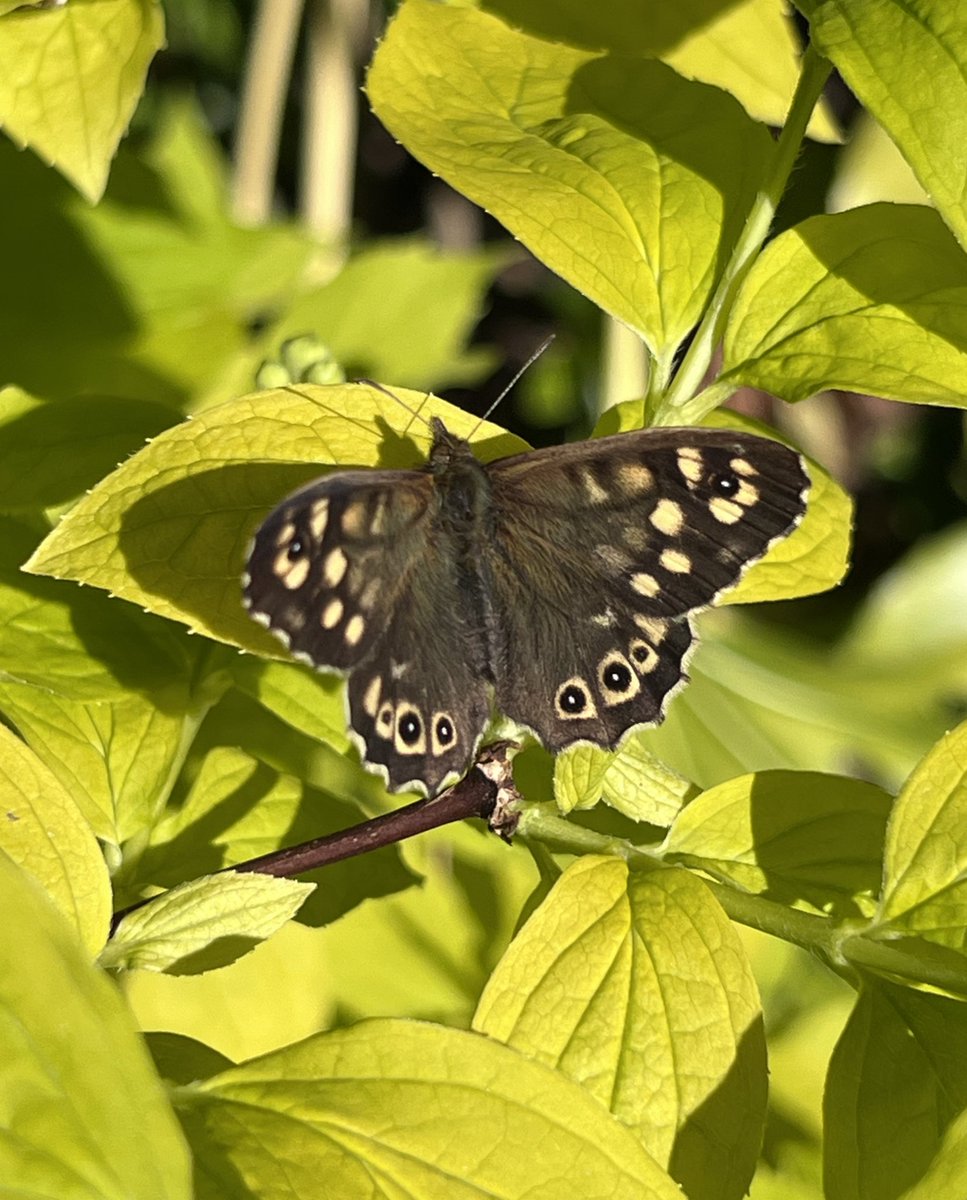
x: 169, y: 528
x: 748, y: 48
x: 601, y: 984
x: 793, y: 835
x: 946, y: 1177
x: 71, y: 78
x: 925, y: 868
x: 888, y: 637
x: 431, y: 948
x: 115, y: 757
x: 394, y: 1107
x: 42, y: 830
x: 311, y: 702
x: 204, y: 924
x: 82, y: 1112
x: 424, y: 303
x: 80, y: 645
x: 761, y: 697
x: 624, y: 178
x: 871, y: 300
x: 51, y: 453
x: 908, y: 65
x: 885, y: 1106
x: 579, y: 773
x: 631, y: 780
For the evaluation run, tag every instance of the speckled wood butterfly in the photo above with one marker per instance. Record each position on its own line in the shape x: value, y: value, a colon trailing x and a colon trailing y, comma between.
x: 559, y: 583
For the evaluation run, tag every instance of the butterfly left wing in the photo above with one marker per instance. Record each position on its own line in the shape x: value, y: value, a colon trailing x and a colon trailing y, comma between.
x: 355, y: 573
x: 600, y: 552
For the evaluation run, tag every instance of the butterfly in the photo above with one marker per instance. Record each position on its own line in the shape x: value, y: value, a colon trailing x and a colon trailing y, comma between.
x: 558, y: 584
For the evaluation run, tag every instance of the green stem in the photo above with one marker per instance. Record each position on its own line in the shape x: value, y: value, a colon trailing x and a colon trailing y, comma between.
x: 844, y: 947
x: 681, y: 405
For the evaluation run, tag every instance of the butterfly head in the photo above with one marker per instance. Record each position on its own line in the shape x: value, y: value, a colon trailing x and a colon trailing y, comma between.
x: 447, y: 450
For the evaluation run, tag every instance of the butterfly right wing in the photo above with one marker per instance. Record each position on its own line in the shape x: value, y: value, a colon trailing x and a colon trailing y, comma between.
x: 355, y: 573
x: 600, y: 553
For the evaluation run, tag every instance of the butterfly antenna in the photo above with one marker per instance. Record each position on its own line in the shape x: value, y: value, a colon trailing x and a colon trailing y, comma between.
x: 414, y: 412
x: 513, y: 383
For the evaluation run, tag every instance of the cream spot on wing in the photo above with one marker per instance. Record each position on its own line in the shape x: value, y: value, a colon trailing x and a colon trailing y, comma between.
x: 334, y: 568
x: 653, y: 629
x: 742, y: 466
x: 645, y: 584
x: 319, y: 518
x: 668, y: 517
x: 284, y: 536
x: 634, y: 479
x: 691, y: 464
x: 332, y: 614
x: 377, y: 523
x: 355, y: 520
x: 747, y: 495
x: 727, y: 512
x: 291, y: 574
x: 644, y: 657
x: 676, y: 561
x: 369, y: 594
x: 354, y: 629
x: 613, y: 557
x: 592, y: 489
x: 371, y: 696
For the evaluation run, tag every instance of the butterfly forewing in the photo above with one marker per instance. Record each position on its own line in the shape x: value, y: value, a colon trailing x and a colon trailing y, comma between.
x: 328, y: 566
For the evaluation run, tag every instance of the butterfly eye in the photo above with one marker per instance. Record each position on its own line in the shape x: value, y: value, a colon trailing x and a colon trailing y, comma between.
x: 444, y: 731
x: 725, y: 483
x: 296, y: 549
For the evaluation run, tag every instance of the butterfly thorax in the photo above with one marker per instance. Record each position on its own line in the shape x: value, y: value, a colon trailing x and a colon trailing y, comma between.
x: 461, y: 481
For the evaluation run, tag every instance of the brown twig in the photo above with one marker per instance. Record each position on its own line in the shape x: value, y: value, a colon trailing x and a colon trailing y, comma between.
x: 487, y: 792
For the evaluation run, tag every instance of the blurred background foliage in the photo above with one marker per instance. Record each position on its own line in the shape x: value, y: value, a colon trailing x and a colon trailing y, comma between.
x: 199, y: 262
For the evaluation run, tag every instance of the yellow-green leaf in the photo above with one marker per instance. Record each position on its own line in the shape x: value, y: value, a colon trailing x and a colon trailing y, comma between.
x: 71, y: 78
x: 390, y: 1108
x: 925, y: 867
x: 203, y: 924
x: 626, y: 179
x: 872, y: 300
x: 796, y: 835
x: 636, y: 986
x: 82, y: 1112
x: 908, y: 65
x: 630, y: 779
x: 43, y: 831
x: 748, y: 47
